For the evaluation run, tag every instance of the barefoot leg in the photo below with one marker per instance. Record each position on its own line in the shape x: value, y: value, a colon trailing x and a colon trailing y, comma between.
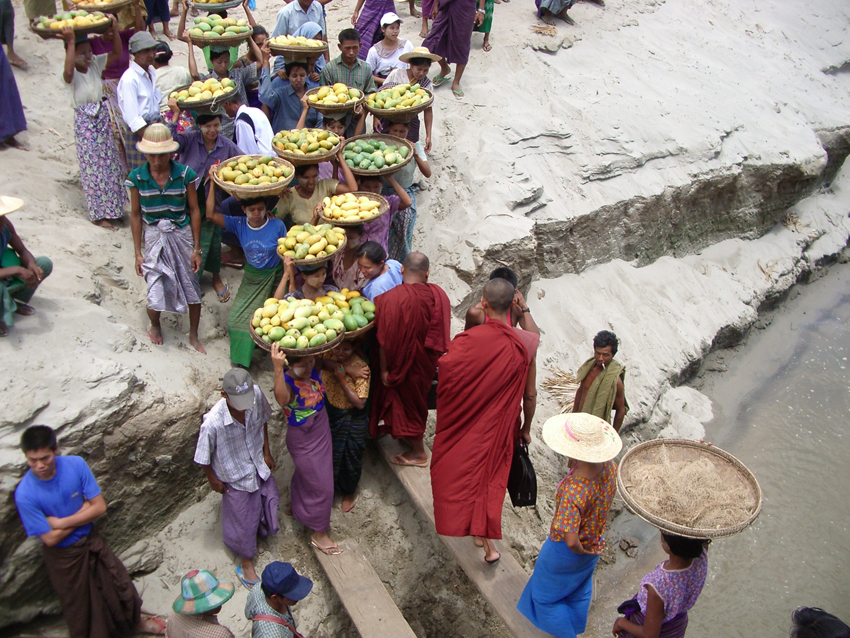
x: 490, y: 553
x: 417, y: 451
x: 155, y: 331
x: 194, y: 321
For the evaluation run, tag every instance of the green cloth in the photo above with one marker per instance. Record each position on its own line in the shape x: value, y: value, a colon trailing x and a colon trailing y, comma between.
x: 599, y: 399
x: 257, y: 286
x: 489, y: 6
x: 13, y: 288
x: 234, y: 55
x: 210, y: 246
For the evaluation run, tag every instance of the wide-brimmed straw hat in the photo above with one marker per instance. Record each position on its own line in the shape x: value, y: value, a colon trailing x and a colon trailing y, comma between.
x: 157, y: 140
x: 583, y: 437
x: 201, y: 592
x: 419, y: 52
x: 9, y: 204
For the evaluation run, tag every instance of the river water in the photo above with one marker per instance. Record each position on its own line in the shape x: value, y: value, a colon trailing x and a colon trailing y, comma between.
x: 782, y: 407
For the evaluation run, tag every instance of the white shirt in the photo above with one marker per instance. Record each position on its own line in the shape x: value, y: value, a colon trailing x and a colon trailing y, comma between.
x: 87, y: 87
x: 235, y: 450
x: 404, y: 175
x: 259, y: 140
x: 169, y: 78
x: 292, y: 17
x: 382, y: 66
x: 138, y: 97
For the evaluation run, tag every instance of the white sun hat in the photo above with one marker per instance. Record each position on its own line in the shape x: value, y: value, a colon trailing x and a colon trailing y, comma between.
x: 583, y: 437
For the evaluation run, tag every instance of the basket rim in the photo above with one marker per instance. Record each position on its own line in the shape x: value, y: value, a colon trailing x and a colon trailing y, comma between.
x: 240, y: 191
x: 390, y: 114
x: 211, y: 103
x: 306, y: 352
x: 335, y: 108
x: 230, y: 4
x: 326, y: 258
x: 383, y: 208
x: 289, y: 48
x: 382, y: 137
x: 349, y: 336
x: 105, y: 8
x: 56, y: 33
x: 302, y: 160
x: 225, y: 40
x: 681, y: 530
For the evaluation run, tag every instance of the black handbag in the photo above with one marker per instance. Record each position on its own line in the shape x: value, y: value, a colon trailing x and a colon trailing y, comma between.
x: 522, y: 481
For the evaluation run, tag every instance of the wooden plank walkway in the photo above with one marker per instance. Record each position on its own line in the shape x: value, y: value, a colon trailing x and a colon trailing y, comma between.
x: 500, y: 584
x: 363, y: 594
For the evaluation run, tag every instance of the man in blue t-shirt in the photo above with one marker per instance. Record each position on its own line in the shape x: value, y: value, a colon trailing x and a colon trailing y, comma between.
x: 58, y: 499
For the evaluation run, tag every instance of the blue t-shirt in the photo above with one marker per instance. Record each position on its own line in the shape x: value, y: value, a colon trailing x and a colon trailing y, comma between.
x: 382, y: 283
x: 259, y: 244
x: 63, y: 495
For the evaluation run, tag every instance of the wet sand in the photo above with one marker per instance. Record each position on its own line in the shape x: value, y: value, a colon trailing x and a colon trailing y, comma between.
x: 780, y: 403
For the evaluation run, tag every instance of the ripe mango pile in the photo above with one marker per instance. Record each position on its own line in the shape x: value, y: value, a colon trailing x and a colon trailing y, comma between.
x: 305, y: 141
x: 248, y: 171
x: 373, y: 155
x: 94, y: 4
x: 76, y: 19
x: 306, y: 241
x: 292, y: 41
x: 337, y: 94
x: 349, y: 208
x: 205, y: 90
x: 403, y: 96
x: 214, y: 26
x: 297, y: 324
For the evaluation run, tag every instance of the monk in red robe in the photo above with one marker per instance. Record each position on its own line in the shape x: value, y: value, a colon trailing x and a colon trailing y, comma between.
x: 412, y: 328
x: 485, y: 372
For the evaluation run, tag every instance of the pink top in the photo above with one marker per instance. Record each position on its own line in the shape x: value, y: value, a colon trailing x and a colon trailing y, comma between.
x: 115, y: 70
x: 679, y: 589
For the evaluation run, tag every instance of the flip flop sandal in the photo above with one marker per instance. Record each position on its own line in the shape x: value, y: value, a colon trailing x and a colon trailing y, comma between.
x: 398, y: 459
x: 241, y: 576
x: 439, y: 80
x: 224, y: 295
x: 330, y: 551
x: 458, y: 94
x: 353, y: 505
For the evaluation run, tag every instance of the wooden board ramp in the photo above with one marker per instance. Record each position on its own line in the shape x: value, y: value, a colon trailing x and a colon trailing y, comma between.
x: 364, y: 596
x: 500, y: 584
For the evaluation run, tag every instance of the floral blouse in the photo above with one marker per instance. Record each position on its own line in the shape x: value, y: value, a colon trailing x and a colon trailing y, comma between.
x: 582, y: 506
x: 309, y: 398
x: 679, y: 589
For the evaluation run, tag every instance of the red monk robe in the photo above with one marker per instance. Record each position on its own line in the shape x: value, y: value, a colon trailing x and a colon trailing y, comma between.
x: 412, y: 324
x: 479, y: 398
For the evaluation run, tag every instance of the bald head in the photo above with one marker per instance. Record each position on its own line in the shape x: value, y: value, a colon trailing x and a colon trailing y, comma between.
x: 415, y: 268
x: 498, y: 295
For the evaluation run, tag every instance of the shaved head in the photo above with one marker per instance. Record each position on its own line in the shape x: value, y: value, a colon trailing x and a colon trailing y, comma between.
x: 499, y: 294
x: 417, y: 263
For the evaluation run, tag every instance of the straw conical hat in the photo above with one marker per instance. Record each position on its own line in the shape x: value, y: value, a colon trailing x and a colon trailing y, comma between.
x: 419, y: 52
x: 157, y: 140
x: 9, y: 204
x: 583, y: 437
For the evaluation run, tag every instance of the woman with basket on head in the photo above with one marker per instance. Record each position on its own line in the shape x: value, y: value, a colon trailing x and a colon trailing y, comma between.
x: 418, y: 63
x: 258, y: 233
x: 101, y: 175
x: 660, y: 608
x: 201, y: 149
x: 557, y: 597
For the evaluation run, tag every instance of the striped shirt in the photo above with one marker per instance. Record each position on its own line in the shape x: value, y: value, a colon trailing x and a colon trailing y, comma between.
x: 168, y: 202
x: 358, y: 77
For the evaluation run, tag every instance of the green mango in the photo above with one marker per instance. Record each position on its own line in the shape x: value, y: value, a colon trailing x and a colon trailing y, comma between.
x: 204, y: 26
x: 266, y: 339
x: 366, y: 163
x: 382, y: 145
x: 310, y: 333
x: 357, y: 148
x: 320, y: 328
x: 299, y: 323
x: 362, y: 321
x: 318, y: 340
x: 277, y: 333
x: 302, y: 342
x: 391, y: 158
x: 350, y: 163
x: 258, y: 332
x: 367, y: 306
x: 334, y: 324
x: 348, y: 155
x: 357, y: 309
x: 289, y: 342
x: 403, y: 151
x: 350, y: 322
x: 302, y: 251
x: 378, y: 162
x: 370, y: 316
x: 368, y: 148
x: 331, y: 335
x: 292, y: 332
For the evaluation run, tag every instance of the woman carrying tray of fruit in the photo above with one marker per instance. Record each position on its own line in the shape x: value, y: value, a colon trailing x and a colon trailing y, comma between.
x: 379, y: 230
x: 101, y: 175
x: 298, y: 205
x: 314, y: 285
x: 346, y: 269
x: 258, y: 233
x: 420, y: 60
x: 298, y: 389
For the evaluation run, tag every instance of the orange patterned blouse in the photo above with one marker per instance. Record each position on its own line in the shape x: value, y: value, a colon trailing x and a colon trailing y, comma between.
x: 582, y: 507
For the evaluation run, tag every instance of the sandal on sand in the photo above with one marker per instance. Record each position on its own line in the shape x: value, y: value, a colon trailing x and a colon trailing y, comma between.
x: 423, y: 34
x: 398, y: 459
x: 440, y: 80
x: 330, y: 551
x: 458, y: 93
x: 241, y: 576
x: 487, y: 47
x: 353, y: 504
x: 224, y: 295
x: 493, y: 561
x: 157, y: 341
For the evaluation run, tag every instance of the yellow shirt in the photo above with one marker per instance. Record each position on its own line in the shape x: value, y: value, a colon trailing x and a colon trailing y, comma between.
x: 333, y: 390
x: 300, y: 209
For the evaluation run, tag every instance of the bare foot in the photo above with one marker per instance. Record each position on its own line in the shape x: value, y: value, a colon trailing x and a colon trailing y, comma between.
x: 415, y: 14
x: 168, y: 34
x: 491, y: 556
x: 479, y: 542
x: 196, y: 344
x: 152, y: 625
x: 287, y: 509
x: 563, y: 15
x: 18, y: 61
x: 105, y: 223
x: 409, y: 459
x: 4, y: 329
x: 348, y: 502
x: 13, y: 143
x: 155, y: 334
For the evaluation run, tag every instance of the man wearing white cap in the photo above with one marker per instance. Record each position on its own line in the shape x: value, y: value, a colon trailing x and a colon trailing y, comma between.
x: 138, y: 95
x: 233, y: 449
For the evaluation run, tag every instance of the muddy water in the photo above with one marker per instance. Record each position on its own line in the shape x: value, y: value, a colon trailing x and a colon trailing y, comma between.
x: 782, y: 406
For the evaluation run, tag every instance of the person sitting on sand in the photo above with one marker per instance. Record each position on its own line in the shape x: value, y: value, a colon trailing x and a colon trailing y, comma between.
x: 257, y: 233
x: 412, y: 323
x: 233, y: 450
x: 548, y: 10
x: 383, y: 57
x: 520, y: 312
x: 345, y: 270
x: 601, y: 382
x: 20, y: 273
x: 195, y: 612
x: 58, y: 500
x: 298, y: 389
x: 556, y: 598
x: 298, y: 204
x: 379, y: 230
x: 164, y: 203
x: 660, y: 608
x: 268, y: 606
x: 314, y: 285
x: 381, y: 274
x: 348, y: 416
x: 814, y: 622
